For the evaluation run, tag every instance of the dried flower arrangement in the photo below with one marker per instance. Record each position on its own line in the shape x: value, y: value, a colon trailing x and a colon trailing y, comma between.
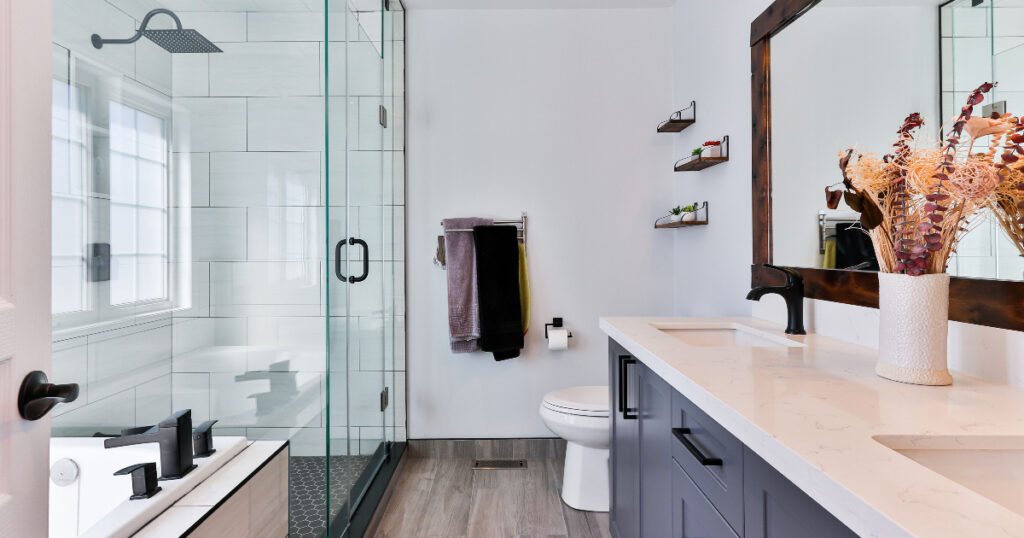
x: 917, y: 202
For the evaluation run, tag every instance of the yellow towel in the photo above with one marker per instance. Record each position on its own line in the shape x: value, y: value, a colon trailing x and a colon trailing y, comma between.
x: 830, y: 255
x: 524, y: 289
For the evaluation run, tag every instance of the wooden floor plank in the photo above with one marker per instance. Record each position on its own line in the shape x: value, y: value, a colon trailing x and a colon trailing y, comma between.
x: 408, y: 502
x: 541, y: 502
x: 444, y: 497
x: 446, y: 512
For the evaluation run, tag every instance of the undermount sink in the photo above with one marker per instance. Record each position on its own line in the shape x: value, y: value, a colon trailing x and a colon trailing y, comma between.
x: 992, y: 467
x: 723, y: 335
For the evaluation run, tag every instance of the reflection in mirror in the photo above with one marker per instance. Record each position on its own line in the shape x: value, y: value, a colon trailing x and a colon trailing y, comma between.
x: 836, y: 86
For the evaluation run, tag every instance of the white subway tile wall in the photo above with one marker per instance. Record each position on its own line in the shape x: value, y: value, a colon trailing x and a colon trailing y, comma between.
x: 249, y: 347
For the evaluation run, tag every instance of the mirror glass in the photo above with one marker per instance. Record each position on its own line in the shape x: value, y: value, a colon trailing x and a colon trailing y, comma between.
x: 845, y: 75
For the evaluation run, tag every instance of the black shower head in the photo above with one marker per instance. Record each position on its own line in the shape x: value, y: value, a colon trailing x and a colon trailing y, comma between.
x: 175, y: 41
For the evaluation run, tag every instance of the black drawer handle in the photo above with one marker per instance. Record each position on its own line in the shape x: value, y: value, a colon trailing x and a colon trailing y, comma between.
x: 627, y: 413
x: 681, y: 434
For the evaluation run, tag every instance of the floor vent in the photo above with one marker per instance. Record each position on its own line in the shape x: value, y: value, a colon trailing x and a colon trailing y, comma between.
x: 484, y: 465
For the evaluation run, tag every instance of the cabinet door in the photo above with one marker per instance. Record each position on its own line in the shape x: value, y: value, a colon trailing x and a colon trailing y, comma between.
x: 773, y: 506
x: 656, y: 463
x: 693, y: 516
x: 698, y: 440
x: 625, y: 446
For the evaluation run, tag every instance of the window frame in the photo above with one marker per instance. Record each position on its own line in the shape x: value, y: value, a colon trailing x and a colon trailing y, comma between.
x: 100, y: 88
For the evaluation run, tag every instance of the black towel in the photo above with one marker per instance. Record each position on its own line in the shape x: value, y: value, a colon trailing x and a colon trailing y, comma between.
x: 854, y: 249
x: 497, y: 280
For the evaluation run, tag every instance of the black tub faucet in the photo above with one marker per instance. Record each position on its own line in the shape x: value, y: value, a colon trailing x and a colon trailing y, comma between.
x: 174, y: 434
x: 792, y: 292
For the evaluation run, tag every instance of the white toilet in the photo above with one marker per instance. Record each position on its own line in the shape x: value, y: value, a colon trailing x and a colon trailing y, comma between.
x: 580, y: 416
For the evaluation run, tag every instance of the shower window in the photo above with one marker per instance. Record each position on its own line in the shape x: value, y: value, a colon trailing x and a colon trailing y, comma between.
x: 138, y: 207
x: 70, y: 159
x: 112, y: 187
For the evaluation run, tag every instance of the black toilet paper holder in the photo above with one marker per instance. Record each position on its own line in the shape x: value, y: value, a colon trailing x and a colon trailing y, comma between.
x: 555, y: 323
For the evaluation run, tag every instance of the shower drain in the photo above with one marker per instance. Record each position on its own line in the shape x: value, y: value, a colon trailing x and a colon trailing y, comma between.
x: 498, y: 464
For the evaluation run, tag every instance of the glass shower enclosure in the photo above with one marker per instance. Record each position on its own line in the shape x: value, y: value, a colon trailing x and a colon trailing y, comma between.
x: 981, y: 42
x: 228, y: 231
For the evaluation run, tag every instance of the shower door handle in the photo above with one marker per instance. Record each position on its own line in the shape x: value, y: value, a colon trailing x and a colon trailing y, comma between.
x: 366, y: 260
x: 337, y: 260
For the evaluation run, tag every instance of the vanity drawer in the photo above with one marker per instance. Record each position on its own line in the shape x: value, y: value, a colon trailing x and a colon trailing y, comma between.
x: 710, y: 456
x: 692, y: 514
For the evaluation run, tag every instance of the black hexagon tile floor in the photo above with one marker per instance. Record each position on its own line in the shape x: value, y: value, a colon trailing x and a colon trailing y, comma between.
x: 308, y: 494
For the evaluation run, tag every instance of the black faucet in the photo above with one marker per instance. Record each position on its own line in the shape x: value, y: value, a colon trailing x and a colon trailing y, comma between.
x: 792, y: 292
x: 174, y: 434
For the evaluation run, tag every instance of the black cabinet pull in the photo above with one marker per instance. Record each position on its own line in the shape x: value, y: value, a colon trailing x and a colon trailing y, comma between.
x: 702, y: 459
x: 337, y: 260
x: 627, y: 413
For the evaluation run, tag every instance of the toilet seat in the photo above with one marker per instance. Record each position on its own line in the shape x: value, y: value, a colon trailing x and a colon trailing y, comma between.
x: 590, y: 401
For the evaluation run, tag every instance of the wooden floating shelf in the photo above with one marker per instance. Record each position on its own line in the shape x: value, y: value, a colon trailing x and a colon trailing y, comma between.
x: 681, y: 224
x: 700, y: 164
x: 676, y: 122
x: 701, y: 213
x: 675, y: 126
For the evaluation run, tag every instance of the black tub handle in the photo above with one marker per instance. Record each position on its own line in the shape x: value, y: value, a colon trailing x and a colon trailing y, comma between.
x: 702, y: 459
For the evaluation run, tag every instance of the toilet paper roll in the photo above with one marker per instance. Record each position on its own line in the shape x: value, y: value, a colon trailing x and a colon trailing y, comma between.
x: 558, y: 339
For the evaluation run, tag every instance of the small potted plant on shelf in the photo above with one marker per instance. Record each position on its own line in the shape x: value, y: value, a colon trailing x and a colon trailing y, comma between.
x: 689, y: 213
x: 695, y: 154
x: 675, y: 214
x: 711, y: 149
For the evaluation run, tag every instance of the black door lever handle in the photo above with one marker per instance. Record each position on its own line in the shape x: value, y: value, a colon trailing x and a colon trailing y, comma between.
x: 37, y: 396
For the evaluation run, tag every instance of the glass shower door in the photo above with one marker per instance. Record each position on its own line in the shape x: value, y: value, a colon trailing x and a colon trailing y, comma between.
x: 360, y: 237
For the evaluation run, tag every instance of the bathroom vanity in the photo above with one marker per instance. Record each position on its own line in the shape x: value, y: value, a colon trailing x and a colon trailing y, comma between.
x: 730, y: 428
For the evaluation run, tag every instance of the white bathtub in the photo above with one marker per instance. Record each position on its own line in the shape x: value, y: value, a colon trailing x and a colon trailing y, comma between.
x: 96, y: 504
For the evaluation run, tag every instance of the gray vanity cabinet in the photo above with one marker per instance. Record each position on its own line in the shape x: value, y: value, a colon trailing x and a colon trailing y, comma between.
x: 655, y: 449
x: 641, y: 489
x: 774, y: 506
x: 677, y: 473
x: 692, y: 512
x: 624, y: 460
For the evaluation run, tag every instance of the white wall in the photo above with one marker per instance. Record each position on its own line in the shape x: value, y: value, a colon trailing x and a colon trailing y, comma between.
x: 712, y: 66
x: 723, y: 86
x: 552, y: 112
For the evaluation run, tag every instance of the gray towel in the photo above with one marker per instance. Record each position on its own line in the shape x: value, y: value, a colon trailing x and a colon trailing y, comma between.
x: 463, y: 302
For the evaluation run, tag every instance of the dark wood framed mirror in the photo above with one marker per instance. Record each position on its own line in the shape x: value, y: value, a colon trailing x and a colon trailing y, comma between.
x: 981, y: 301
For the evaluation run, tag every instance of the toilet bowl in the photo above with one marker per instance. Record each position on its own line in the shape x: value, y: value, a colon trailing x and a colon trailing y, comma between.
x: 580, y: 416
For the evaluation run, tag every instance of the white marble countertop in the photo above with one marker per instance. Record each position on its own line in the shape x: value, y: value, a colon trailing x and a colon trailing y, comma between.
x: 814, y: 412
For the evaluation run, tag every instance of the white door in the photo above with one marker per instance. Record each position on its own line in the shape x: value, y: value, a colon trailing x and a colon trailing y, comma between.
x: 25, y: 64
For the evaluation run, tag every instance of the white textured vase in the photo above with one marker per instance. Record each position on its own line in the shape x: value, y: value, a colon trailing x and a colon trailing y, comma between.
x: 913, y: 328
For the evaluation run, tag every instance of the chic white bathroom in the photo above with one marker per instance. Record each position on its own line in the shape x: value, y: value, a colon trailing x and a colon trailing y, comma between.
x: 449, y: 268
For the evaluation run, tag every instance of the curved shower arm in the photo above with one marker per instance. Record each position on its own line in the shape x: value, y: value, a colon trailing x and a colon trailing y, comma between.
x: 98, y: 41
